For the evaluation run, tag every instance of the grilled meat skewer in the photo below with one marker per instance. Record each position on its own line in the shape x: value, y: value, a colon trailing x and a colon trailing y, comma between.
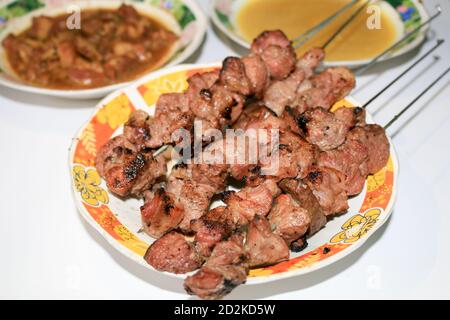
x: 324, y: 157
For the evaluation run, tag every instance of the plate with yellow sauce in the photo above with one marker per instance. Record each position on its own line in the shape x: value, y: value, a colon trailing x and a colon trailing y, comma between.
x: 374, y: 29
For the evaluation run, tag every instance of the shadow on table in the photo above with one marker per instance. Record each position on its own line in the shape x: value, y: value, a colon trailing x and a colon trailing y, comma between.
x: 303, y: 282
x: 424, y: 104
x: 257, y: 291
x: 154, y: 278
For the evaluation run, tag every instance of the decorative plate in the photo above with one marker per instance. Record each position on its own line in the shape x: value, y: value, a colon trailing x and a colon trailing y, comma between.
x: 407, y: 15
x: 118, y: 221
x: 184, y: 16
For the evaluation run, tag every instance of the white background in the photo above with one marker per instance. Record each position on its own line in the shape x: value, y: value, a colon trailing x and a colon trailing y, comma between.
x: 48, y: 251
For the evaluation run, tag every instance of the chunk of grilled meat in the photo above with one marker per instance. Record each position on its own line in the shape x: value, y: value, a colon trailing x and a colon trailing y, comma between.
x: 173, y: 112
x: 324, y: 89
x: 208, y: 233
x: 194, y: 185
x: 351, y: 160
x: 223, y: 271
x: 277, y: 53
x: 257, y: 73
x: 328, y: 186
x: 198, y: 82
x: 173, y: 253
x: 282, y: 93
x: 234, y: 77
x: 159, y: 214
x: 293, y: 157
x: 252, y: 201
x: 374, y: 138
x: 288, y: 219
x: 136, y: 129
x: 127, y: 172
x: 217, y: 98
x: 327, y: 130
x: 306, y: 199
x: 290, y: 157
x: 232, y: 219
x: 264, y: 246
x: 194, y: 199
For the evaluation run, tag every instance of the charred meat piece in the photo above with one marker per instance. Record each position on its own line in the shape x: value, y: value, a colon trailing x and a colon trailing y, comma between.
x: 374, y: 138
x: 282, y: 93
x: 270, y: 38
x: 193, y: 198
x: 172, y: 253
x: 201, y: 81
x: 351, y: 160
x: 260, y: 129
x: 306, y: 199
x: 299, y: 245
x: 354, y: 116
x: 218, y: 106
x: 136, y: 130
x: 325, y: 89
x: 310, y: 60
x: 194, y: 185
x: 172, y: 113
x: 114, y: 151
x: 208, y: 233
x: 277, y: 52
x: 279, y: 61
x: 233, y: 220
x: 257, y: 73
x: 225, y: 270
x: 293, y: 157
x: 288, y: 219
x: 328, y: 186
x: 263, y: 246
x: 160, y: 215
x: 326, y: 130
x: 252, y: 201
x: 127, y: 172
x: 233, y: 76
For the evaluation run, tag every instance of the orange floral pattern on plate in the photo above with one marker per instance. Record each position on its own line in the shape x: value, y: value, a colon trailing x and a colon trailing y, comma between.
x: 108, y: 221
x: 170, y: 83
x: 101, y: 127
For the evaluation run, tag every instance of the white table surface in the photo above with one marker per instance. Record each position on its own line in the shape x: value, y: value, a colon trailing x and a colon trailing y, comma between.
x: 48, y: 251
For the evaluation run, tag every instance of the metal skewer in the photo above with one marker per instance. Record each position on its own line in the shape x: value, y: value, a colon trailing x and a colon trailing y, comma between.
x: 439, y: 42
x: 300, y: 40
x: 395, y: 45
x: 415, y: 100
x: 345, y: 24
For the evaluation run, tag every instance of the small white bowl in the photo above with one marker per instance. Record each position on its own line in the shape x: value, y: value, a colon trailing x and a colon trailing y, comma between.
x: 183, y: 17
x: 223, y: 14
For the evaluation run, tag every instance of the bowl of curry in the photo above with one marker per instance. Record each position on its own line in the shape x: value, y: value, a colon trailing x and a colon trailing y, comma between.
x: 87, y: 49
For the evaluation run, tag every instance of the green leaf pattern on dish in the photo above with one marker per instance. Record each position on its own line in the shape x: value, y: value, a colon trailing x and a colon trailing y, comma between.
x: 18, y: 8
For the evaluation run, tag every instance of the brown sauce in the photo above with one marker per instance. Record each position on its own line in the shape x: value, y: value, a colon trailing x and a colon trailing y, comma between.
x: 112, y: 46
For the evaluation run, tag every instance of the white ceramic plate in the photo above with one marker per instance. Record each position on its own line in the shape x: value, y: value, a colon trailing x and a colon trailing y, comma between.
x: 118, y: 221
x: 406, y: 15
x: 184, y: 17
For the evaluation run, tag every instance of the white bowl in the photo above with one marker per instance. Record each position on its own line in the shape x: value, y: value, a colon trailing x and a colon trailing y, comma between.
x: 223, y: 14
x: 184, y: 17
